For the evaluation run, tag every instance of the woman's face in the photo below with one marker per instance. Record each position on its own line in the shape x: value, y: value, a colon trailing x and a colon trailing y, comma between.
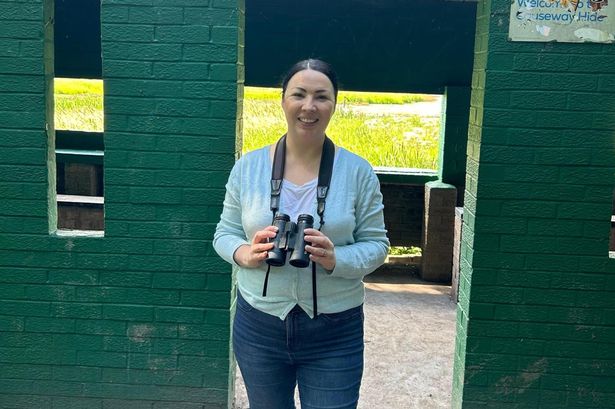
x: 308, y: 104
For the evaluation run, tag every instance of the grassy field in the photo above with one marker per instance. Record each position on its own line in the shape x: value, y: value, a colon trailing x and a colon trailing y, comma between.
x: 344, y: 97
x: 78, y: 104
x: 399, y: 140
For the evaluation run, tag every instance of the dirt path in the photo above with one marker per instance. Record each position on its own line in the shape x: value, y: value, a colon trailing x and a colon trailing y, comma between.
x: 409, y: 346
x: 427, y: 109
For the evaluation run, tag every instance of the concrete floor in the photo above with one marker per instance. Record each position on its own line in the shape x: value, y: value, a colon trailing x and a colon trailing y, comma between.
x: 409, y: 345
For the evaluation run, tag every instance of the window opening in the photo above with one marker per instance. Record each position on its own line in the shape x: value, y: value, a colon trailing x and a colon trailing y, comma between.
x: 401, y: 134
x: 78, y: 117
x: 398, y: 133
x: 79, y: 154
x: 390, y: 130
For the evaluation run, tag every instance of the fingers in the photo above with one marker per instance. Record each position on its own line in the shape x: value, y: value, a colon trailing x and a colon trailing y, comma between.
x: 260, y: 242
x: 321, y: 248
x: 261, y: 247
x: 323, y: 256
x: 319, y: 252
x: 262, y: 236
x: 259, y: 255
x: 246, y: 256
x: 318, y: 239
x: 255, y: 253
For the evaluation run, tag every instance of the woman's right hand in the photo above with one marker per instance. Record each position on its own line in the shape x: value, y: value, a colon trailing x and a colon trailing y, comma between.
x: 254, y: 254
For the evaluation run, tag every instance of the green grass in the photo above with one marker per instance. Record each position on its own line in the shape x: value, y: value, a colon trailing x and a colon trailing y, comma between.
x: 395, y: 140
x: 406, y: 141
x: 73, y: 86
x: 405, y: 251
x: 79, y: 104
x: 344, y: 97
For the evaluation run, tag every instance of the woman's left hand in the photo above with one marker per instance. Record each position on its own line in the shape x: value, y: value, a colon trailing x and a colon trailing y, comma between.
x: 322, y: 250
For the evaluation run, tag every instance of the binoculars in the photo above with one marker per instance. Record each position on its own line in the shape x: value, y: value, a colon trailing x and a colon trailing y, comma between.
x: 290, y: 238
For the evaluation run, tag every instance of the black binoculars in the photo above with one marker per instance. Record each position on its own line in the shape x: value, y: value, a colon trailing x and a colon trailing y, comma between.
x: 290, y: 238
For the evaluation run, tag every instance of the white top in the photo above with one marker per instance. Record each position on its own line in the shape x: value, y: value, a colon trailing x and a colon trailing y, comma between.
x: 296, y: 200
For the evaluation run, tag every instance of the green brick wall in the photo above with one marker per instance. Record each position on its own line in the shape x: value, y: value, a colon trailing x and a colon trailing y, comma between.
x: 454, y: 138
x: 537, y: 327
x: 138, y: 318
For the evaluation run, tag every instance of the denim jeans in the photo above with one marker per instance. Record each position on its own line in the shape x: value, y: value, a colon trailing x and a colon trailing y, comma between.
x: 323, y: 357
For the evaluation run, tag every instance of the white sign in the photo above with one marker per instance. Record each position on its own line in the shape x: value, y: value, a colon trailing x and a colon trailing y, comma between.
x: 569, y: 21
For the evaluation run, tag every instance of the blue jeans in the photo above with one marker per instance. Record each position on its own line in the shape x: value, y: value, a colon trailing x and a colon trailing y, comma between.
x: 324, y: 357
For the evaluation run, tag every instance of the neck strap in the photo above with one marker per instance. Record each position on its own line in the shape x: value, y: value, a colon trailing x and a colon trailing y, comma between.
x: 324, y: 175
x: 324, y: 179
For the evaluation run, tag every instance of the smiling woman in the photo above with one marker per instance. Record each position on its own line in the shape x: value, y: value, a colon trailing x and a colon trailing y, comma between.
x: 308, y: 104
x: 316, y: 319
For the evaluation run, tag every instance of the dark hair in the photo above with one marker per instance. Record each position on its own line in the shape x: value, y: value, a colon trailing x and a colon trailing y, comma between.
x: 311, y: 64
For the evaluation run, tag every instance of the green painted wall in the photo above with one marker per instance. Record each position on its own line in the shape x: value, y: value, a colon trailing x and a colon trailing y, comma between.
x: 419, y: 46
x: 138, y: 318
x: 454, y: 138
x: 537, y: 327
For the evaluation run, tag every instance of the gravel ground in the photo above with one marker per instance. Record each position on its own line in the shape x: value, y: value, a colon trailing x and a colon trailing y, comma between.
x: 409, y: 345
x: 427, y: 109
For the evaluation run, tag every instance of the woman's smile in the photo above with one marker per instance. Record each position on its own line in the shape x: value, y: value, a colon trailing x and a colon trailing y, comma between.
x: 308, y: 120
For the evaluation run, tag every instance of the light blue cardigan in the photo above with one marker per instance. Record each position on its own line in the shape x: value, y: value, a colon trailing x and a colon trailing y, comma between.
x: 353, y: 221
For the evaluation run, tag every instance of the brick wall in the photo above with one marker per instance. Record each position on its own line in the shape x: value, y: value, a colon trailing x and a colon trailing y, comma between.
x: 536, y: 329
x: 138, y: 318
x: 403, y: 213
x: 438, y: 232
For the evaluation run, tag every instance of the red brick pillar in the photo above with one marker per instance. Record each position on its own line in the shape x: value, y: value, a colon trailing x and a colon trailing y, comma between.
x: 438, y: 231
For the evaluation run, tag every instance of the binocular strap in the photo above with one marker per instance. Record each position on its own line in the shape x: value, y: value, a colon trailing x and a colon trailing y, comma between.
x: 266, y: 281
x: 315, y: 299
x: 315, y: 302
x: 324, y: 179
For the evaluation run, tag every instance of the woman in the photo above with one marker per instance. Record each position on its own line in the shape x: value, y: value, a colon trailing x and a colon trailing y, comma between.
x: 279, y: 339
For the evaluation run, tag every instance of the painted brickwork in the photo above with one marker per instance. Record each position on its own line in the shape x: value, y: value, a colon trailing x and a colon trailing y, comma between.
x: 139, y: 318
x: 403, y: 213
x: 455, y: 113
x: 537, y: 328
x: 438, y: 232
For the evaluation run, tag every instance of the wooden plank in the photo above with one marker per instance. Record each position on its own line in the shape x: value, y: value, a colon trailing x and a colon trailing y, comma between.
x: 80, y: 152
x: 100, y: 200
